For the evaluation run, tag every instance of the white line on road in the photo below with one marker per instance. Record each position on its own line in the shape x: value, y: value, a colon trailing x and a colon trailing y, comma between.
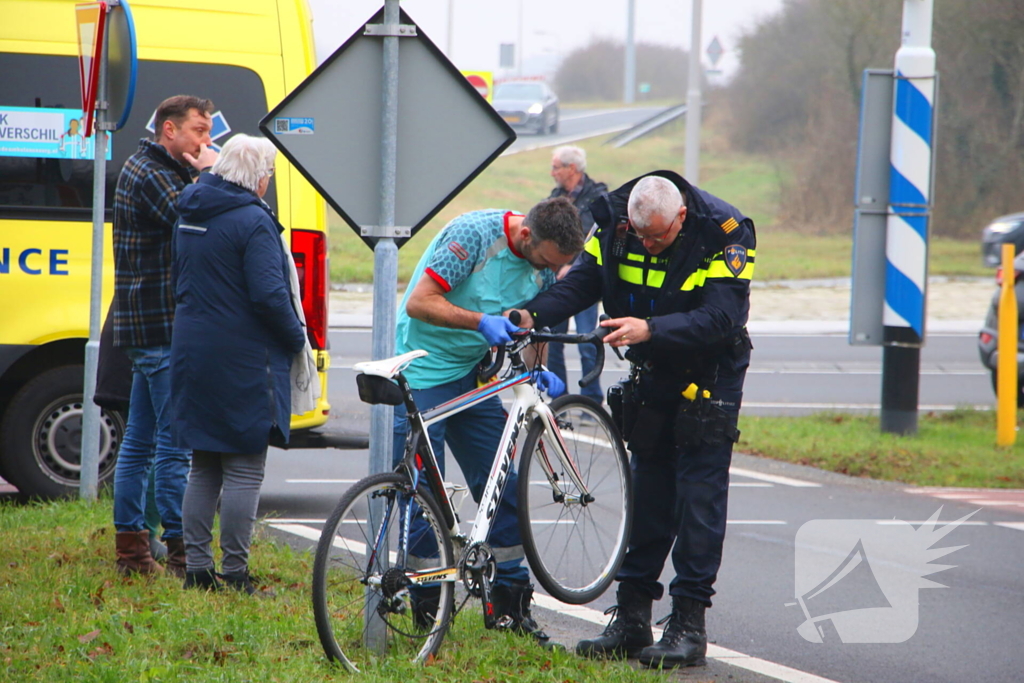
x: 738, y: 659
x: 756, y: 521
x: 877, y: 373
x: 1019, y: 526
x: 772, y: 478
x: 320, y: 481
x: 751, y: 484
x: 895, y: 522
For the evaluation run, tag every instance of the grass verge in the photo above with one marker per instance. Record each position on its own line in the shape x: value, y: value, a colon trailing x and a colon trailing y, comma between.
x: 65, y: 615
x: 750, y: 182
x: 956, y: 448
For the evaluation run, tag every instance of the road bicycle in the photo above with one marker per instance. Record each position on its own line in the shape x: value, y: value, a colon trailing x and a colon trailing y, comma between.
x: 575, y: 500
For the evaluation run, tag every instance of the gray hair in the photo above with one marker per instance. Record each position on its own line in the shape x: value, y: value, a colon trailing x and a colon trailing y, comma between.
x: 245, y: 160
x: 571, y: 155
x: 653, y: 195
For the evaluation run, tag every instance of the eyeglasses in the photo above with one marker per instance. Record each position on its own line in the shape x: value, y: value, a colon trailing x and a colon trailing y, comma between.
x: 557, y: 167
x: 651, y: 238
x: 270, y: 172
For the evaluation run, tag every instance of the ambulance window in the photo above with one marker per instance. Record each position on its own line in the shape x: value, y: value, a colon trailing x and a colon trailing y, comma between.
x: 32, y: 187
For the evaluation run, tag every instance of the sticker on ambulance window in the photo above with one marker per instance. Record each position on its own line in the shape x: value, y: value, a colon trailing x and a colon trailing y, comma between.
x: 45, y: 133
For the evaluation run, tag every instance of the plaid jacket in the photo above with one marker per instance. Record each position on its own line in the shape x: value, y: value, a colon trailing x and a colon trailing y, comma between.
x: 144, y: 217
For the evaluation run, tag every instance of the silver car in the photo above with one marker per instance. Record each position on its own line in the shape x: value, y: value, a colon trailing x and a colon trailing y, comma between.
x: 529, y: 105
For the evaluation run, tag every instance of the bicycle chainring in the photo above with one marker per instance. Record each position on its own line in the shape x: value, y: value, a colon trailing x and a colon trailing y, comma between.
x: 478, y: 563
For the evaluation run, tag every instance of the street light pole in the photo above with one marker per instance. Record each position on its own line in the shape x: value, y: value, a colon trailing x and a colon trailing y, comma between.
x: 629, y: 87
x: 693, y: 99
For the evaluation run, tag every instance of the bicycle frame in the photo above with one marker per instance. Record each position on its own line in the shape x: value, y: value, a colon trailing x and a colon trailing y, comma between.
x: 421, y: 461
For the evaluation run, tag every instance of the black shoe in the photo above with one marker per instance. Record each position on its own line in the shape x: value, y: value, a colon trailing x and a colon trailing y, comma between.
x: 243, y: 583
x: 425, y: 602
x: 204, y: 579
x: 629, y: 631
x: 685, y: 642
x: 512, y: 600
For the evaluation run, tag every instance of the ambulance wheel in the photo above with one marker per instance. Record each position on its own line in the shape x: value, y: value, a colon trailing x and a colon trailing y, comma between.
x: 42, y: 435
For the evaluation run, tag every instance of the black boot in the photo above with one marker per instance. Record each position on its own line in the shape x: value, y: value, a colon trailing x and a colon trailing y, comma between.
x: 204, y: 579
x: 513, y: 601
x: 629, y: 631
x: 243, y: 583
x: 685, y: 642
x: 425, y: 602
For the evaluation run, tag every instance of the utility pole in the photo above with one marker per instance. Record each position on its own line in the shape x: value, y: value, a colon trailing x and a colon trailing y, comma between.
x: 629, y: 86
x: 906, y: 244
x: 693, y: 100
x: 451, y: 30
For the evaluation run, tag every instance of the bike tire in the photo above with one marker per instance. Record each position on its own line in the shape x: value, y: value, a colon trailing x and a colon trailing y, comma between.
x: 341, y: 576
x: 575, y: 549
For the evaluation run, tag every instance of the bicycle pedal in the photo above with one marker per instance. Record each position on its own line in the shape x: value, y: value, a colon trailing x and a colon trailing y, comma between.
x: 504, y: 622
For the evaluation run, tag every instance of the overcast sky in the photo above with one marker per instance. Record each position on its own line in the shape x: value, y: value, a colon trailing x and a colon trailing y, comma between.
x: 551, y: 28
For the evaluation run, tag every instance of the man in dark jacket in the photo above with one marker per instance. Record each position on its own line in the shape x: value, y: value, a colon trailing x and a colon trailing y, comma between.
x: 143, y: 310
x: 673, y: 264
x: 235, y: 335
x: 568, y: 168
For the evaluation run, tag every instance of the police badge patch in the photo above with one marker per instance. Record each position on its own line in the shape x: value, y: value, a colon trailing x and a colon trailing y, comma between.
x: 735, y: 258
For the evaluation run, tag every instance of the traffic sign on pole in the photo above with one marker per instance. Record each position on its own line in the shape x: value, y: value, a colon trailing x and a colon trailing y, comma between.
x: 329, y: 127
x: 91, y: 20
x: 122, y: 64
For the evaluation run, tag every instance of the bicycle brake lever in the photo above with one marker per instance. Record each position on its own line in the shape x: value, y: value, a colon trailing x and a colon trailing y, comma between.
x: 618, y: 354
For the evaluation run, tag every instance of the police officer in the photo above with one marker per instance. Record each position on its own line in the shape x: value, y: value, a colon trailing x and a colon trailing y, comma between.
x: 673, y: 265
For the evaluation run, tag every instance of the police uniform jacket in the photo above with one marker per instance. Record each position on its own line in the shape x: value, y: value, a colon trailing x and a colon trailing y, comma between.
x: 695, y: 295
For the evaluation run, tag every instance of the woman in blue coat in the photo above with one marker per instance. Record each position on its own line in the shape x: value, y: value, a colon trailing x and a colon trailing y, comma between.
x: 235, y: 334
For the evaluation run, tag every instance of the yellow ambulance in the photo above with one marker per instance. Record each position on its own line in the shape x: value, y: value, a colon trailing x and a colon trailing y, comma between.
x: 245, y: 55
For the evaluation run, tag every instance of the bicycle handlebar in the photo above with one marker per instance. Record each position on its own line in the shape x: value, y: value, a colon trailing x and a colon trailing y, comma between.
x: 596, y: 337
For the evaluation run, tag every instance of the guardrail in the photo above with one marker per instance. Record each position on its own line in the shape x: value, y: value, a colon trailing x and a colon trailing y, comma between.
x: 647, y: 126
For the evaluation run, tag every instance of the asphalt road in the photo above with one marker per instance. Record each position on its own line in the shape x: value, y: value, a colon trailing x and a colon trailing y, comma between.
x: 579, y: 124
x: 966, y: 632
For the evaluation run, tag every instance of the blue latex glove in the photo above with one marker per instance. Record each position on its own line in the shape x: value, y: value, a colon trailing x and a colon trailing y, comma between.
x: 496, y: 329
x: 549, y: 382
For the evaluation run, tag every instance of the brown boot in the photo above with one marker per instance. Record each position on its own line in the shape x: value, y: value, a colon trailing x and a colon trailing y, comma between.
x: 176, y: 556
x: 133, y: 555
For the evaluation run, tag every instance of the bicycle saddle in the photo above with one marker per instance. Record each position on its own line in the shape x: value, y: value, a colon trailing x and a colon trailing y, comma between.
x: 388, y: 367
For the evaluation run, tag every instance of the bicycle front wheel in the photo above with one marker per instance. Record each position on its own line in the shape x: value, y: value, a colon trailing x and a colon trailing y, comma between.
x: 362, y: 600
x: 575, y: 545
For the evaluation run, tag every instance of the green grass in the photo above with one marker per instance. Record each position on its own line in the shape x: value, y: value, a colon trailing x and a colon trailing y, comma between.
x: 951, y: 449
x: 65, y: 615
x: 752, y: 183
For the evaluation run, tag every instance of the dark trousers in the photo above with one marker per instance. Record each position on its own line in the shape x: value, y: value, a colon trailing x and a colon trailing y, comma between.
x: 680, y: 500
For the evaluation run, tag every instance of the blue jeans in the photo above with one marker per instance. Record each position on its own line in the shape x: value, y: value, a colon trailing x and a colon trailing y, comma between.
x: 585, y: 322
x: 146, y: 443
x: 473, y: 437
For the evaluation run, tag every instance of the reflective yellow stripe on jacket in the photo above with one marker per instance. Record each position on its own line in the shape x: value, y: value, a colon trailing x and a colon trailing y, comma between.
x: 717, y: 268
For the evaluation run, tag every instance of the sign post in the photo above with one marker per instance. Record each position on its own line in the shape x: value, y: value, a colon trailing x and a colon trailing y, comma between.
x: 123, y: 41
x: 693, y: 99
x: 387, y: 155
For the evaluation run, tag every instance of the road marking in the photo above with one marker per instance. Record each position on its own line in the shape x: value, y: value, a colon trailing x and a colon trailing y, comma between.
x: 877, y: 373
x: 293, y: 520
x: 751, y: 484
x: 320, y: 481
x: 738, y: 659
x: 1019, y: 526
x: 772, y: 478
x: 755, y: 521
x: 895, y: 522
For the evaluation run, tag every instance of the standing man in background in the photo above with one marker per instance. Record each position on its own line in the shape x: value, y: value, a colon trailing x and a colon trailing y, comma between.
x: 568, y: 168
x: 144, y: 216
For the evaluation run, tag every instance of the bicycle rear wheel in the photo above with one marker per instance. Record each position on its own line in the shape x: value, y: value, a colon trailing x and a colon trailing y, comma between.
x: 575, y: 547
x: 355, y: 566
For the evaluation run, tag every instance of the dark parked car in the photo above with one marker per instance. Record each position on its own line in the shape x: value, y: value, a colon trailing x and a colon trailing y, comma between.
x: 988, y: 337
x: 527, y: 104
x: 1000, y: 231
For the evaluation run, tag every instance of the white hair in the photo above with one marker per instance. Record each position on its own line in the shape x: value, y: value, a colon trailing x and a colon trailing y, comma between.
x: 245, y: 160
x: 653, y: 195
x: 571, y: 155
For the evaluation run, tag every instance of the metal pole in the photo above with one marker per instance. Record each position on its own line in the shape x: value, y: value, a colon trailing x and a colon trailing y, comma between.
x: 520, y: 46
x: 90, y: 456
x: 385, y: 286
x: 693, y: 100
x: 906, y: 244
x: 451, y: 30
x: 629, y: 86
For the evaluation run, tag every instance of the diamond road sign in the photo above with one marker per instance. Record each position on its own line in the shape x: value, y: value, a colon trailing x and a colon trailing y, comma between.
x: 715, y: 51
x: 329, y: 127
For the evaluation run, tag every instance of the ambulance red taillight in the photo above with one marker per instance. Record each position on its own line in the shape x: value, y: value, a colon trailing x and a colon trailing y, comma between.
x: 309, y: 248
